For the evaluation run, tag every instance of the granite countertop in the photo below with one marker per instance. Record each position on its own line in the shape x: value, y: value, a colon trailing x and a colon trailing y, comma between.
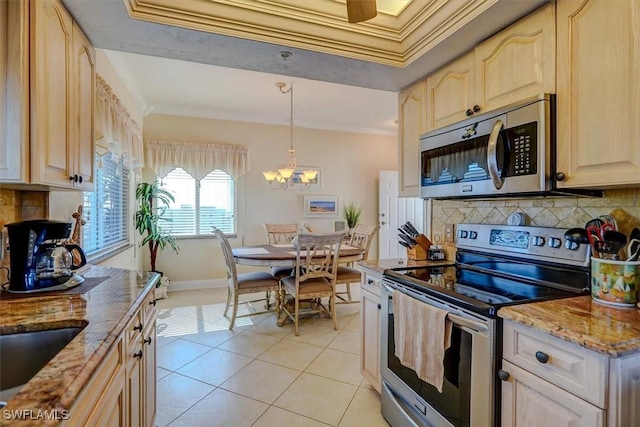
x: 105, y: 309
x: 614, y: 332
x: 379, y: 265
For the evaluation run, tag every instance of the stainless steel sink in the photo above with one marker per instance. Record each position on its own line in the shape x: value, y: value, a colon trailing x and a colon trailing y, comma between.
x: 22, y: 355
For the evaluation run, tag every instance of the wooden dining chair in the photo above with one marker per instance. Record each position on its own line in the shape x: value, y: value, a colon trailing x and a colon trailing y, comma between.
x: 315, y: 277
x: 245, y: 283
x: 361, y: 237
x: 279, y: 234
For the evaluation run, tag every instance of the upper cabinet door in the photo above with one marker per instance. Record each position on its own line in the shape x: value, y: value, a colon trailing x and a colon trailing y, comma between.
x: 411, y: 124
x: 450, y: 92
x: 518, y: 62
x: 51, y: 28
x: 598, y: 93
x: 83, y: 95
x: 14, y: 91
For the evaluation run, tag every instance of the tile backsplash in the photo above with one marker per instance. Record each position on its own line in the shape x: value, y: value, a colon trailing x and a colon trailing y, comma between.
x: 16, y: 205
x: 562, y: 212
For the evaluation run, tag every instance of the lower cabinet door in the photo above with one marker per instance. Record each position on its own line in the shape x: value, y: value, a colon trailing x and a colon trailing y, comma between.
x: 110, y: 410
x: 529, y: 401
x: 370, y: 327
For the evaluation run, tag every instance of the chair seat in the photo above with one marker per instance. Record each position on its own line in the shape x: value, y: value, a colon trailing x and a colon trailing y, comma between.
x: 257, y: 281
x: 309, y: 286
x: 348, y: 274
x: 280, y: 272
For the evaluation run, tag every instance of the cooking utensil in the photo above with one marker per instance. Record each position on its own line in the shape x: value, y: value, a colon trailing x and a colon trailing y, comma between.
x: 594, y: 229
x: 577, y: 235
x: 610, y: 248
x: 619, y: 238
x: 412, y: 229
x: 408, y: 240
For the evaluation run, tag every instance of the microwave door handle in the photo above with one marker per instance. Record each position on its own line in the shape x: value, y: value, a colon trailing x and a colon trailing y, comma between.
x: 492, y: 152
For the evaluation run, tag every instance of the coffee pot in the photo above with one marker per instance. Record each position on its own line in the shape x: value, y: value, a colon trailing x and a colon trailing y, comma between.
x: 40, y: 260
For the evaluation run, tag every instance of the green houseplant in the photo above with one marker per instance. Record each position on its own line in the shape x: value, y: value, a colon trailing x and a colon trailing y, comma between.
x: 152, y: 203
x: 352, y: 213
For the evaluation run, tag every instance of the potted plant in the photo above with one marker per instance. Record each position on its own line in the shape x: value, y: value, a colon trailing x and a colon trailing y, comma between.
x: 152, y: 203
x: 352, y: 213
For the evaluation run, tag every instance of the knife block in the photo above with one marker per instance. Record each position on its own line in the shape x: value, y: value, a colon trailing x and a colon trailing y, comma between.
x: 416, y: 253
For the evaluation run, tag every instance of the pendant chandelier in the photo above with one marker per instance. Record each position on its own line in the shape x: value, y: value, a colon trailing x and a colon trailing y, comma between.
x: 289, y: 176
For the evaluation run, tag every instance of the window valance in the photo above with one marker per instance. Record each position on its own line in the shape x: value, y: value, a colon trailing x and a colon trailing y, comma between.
x: 116, y: 131
x: 196, y: 158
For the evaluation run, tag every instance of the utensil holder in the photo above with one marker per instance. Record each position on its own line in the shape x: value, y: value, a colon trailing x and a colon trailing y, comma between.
x: 615, y: 283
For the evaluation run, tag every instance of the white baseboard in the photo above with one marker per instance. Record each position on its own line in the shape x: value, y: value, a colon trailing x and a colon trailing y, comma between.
x: 189, y: 285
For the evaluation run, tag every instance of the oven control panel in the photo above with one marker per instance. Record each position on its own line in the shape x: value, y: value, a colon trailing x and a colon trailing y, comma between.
x: 541, y: 243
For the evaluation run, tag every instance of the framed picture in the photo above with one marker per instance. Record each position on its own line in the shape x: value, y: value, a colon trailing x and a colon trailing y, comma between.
x: 299, y: 184
x: 320, y: 206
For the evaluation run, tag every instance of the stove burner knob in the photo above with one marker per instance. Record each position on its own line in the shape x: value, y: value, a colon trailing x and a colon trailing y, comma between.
x: 464, y: 234
x: 538, y: 241
x: 554, y: 242
x: 572, y: 246
x: 473, y: 234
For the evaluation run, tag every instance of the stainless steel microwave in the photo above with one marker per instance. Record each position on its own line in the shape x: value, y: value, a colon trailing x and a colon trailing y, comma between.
x: 505, y: 152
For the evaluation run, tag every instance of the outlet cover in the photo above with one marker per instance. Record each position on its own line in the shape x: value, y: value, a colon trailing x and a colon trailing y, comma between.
x: 448, y: 233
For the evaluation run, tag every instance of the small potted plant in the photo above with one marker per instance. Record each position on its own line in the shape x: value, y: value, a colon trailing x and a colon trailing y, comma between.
x: 152, y: 203
x: 352, y: 213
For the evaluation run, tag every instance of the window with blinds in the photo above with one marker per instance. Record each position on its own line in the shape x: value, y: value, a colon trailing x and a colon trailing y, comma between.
x: 200, y: 205
x: 106, y: 209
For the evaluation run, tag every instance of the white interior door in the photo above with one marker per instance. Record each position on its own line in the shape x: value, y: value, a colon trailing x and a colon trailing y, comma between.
x: 393, y: 211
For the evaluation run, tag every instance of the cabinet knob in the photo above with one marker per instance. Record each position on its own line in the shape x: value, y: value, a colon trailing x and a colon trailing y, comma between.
x: 147, y: 341
x: 153, y: 302
x: 369, y: 281
x: 560, y: 176
x: 138, y: 355
x: 138, y: 328
x: 469, y: 112
x: 503, y: 375
x: 80, y: 179
x: 542, y: 357
x: 476, y: 108
x: 379, y: 306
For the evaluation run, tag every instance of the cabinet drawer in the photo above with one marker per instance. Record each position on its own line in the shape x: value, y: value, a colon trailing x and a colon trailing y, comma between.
x: 579, y: 371
x: 133, y: 331
x: 148, y: 308
x: 371, y: 282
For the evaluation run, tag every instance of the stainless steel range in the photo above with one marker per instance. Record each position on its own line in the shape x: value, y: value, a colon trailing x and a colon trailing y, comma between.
x: 496, y: 266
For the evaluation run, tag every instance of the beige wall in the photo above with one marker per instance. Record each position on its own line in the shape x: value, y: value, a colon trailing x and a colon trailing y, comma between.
x: 349, y: 162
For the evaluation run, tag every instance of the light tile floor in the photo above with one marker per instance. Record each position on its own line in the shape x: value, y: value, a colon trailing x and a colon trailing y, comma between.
x: 259, y: 374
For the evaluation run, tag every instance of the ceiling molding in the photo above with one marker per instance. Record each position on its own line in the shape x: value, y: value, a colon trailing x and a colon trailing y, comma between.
x: 320, y: 25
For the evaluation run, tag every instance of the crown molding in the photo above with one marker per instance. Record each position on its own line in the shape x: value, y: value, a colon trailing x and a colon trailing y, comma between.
x: 320, y: 26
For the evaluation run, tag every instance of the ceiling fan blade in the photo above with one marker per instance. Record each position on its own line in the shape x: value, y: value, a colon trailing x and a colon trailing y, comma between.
x: 361, y: 10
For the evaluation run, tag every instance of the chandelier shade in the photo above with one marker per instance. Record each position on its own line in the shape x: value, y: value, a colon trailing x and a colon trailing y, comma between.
x: 289, y: 177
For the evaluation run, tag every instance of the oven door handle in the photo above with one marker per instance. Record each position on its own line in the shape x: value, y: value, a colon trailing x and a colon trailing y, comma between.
x: 454, y: 318
x: 464, y: 322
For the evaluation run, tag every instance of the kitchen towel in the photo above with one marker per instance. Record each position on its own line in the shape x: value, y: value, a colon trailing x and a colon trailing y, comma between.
x: 422, y: 335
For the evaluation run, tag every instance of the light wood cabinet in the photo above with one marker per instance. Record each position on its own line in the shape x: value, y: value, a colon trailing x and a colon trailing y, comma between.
x: 412, y: 116
x: 50, y: 71
x: 548, y: 381
x: 370, y: 327
x: 514, y: 64
x: 598, y: 97
x: 122, y: 392
x: 450, y: 92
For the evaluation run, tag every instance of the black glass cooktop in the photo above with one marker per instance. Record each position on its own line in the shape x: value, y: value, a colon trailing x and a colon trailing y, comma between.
x: 485, y: 283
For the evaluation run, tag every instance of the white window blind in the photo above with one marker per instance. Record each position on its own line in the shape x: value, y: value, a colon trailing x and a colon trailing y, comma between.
x: 106, y: 210
x: 200, y: 205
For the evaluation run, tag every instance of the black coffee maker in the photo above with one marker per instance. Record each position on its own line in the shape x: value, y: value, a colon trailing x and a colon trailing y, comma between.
x: 40, y: 261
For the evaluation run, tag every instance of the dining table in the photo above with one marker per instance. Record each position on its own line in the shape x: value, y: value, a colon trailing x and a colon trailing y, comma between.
x: 284, y: 255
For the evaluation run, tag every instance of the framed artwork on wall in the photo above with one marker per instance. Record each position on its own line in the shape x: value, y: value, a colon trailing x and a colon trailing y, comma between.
x: 320, y: 206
